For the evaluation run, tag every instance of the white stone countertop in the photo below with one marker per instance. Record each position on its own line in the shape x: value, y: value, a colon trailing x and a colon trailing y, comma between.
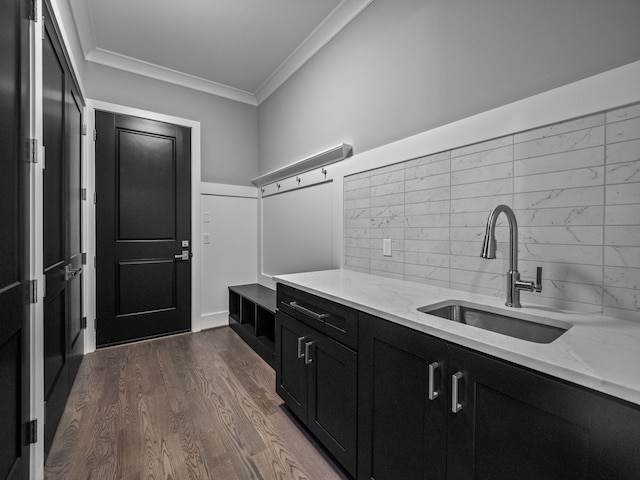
x: 601, y: 353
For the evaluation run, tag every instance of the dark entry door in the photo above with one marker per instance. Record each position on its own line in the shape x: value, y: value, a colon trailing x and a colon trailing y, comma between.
x: 143, y: 228
x: 62, y: 257
x: 14, y: 239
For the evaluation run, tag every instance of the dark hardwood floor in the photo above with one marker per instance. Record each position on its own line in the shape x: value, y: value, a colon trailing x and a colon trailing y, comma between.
x: 192, y: 406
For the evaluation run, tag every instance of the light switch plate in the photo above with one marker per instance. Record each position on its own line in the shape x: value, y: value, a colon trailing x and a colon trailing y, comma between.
x: 386, y: 247
x: 206, y: 238
x: 206, y: 217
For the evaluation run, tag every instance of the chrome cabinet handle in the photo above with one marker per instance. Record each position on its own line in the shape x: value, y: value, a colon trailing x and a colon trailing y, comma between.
x: 306, y: 311
x: 70, y: 273
x: 307, y: 353
x: 455, y: 405
x: 300, y: 352
x: 433, y: 393
x: 182, y: 256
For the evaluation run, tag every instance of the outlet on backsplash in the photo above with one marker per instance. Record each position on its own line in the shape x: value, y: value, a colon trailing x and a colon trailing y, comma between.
x: 386, y: 247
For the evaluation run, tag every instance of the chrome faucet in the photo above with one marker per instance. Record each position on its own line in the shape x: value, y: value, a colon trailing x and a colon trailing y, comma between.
x: 514, y: 284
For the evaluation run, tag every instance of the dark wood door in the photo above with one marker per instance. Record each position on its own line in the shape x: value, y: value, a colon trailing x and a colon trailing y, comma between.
x: 143, y: 221
x: 333, y: 398
x: 516, y: 423
x: 291, y: 371
x: 402, y: 428
x: 62, y: 258
x: 14, y: 239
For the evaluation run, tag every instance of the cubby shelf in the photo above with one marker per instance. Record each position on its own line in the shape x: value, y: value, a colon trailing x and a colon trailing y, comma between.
x: 252, y: 312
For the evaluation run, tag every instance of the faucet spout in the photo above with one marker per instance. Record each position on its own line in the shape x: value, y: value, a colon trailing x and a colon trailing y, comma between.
x: 514, y: 285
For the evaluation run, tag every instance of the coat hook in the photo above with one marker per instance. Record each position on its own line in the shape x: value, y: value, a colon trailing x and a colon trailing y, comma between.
x: 262, y: 190
x: 298, y: 180
x: 324, y: 172
x: 278, y: 185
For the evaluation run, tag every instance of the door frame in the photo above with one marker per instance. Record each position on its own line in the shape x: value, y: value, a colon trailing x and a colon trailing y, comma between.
x: 89, y: 218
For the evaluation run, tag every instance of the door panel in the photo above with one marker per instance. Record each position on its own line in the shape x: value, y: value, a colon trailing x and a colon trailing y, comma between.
x: 62, y: 183
x: 14, y: 239
x: 143, y: 216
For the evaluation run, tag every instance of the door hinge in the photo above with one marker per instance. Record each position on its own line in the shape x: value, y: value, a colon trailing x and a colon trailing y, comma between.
x: 95, y: 262
x: 43, y: 28
x: 32, y: 151
x: 95, y: 198
x: 84, y: 258
x: 84, y: 194
x: 32, y: 431
x: 32, y: 287
x: 44, y: 155
x: 83, y: 323
x: 83, y: 130
x: 95, y: 134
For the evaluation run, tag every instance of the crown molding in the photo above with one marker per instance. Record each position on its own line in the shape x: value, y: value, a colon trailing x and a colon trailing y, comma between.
x: 133, y: 65
x: 336, y: 21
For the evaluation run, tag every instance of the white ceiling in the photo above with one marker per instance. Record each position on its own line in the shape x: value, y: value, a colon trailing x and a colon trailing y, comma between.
x: 239, y: 49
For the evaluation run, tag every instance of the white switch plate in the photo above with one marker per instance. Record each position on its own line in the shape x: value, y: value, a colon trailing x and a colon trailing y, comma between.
x: 386, y: 247
x: 206, y: 217
x: 206, y: 238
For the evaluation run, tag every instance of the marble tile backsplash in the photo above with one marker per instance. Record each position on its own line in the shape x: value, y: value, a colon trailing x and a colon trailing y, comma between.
x: 575, y: 188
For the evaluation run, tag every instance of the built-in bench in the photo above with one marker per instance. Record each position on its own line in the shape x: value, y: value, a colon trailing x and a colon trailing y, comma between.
x: 252, y: 314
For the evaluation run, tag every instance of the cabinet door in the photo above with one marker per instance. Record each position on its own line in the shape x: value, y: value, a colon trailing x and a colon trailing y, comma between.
x: 291, y: 371
x: 403, y: 429
x: 332, y: 415
x: 515, y: 423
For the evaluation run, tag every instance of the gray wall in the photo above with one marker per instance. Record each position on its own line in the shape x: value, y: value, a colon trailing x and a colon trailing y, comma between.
x: 406, y: 66
x: 229, y: 128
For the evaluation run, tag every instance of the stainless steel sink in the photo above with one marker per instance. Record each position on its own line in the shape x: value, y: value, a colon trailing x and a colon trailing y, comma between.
x: 523, y: 326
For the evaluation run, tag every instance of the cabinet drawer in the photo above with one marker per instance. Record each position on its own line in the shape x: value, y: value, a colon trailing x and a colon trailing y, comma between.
x: 337, y: 321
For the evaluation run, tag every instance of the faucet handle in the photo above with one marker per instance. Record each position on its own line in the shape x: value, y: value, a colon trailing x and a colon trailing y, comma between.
x: 538, y: 285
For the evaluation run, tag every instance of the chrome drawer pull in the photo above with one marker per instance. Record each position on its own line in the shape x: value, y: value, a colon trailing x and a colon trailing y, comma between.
x: 306, y: 311
x: 300, y: 352
x: 433, y: 393
x: 455, y: 406
x: 307, y: 353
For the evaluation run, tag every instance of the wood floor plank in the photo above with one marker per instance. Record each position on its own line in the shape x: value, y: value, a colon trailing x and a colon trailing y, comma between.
x: 191, y: 406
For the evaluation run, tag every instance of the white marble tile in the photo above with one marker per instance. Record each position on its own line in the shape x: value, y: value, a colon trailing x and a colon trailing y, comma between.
x: 427, y: 246
x: 435, y: 158
x: 421, y: 170
x: 429, y: 259
x: 360, y: 263
x: 622, y: 235
x: 622, y: 256
x: 590, y: 137
x: 426, y: 233
x: 387, y: 266
x: 489, y: 188
x: 472, y: 249
x: 562, y: 197
x: 357, y: 232
x: 469, y: 234
x: 623, y: 113
x: 388, y: 200
x: 356, y: 184
x: 434, y: 220
x: 564, y: 272
x: 623, y: 131
x: 490, y: 280
x: 482, y: 174
x: 481, y: 146
x: 432, y: 195
x: 387, y: 177
x: 587, y: 157
x: 626, y: 298
x: 387, y: 222
x: 356, y: 252
x: 388, y: 168
x: 623, y: 193
x: 387, y: 189
x: 427, y: 208
x: 396, y: 255
x: 582, y: 177
x: 630, y: 315
x: 623, y: 152
x: 576, y: 292
x: 427, y: 281
x: 478, y: 264
x: 622, y: 277
x: 628, y: 172
x: 358, y: 242
x: 581, y: 123
x: 425, y: 271
x: 427, y: 183
x: 357, y: 213
x: 492, y: 292
x: 566, y: 235
x: 357, y: 223
x: 393, y: 233
x: 357, y: 193
x: 580, y: 254
x: 364, y: 202
x: 387, y: 211
x: 357, y: 176
x: 480, y: 204
x: 561, y: 216
x: 482, y: 159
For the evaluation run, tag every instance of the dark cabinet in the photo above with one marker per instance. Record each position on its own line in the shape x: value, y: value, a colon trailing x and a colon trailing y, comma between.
x: 403, y: 405
x: 490, y: 420
x: 317, y: 376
